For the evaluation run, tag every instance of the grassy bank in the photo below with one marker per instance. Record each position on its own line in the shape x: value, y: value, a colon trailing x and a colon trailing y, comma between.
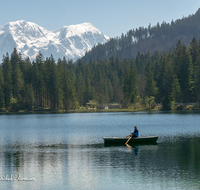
x: 187, y: 107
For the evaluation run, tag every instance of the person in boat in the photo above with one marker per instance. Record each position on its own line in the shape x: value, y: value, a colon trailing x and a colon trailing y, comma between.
x: 135, y: 133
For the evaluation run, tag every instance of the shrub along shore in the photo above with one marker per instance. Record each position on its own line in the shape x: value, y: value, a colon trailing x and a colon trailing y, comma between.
x: 137, y: 83
x: 177, y: 107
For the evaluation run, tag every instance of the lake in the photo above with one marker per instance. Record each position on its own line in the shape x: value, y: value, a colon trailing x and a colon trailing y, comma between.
x: 66, y: 151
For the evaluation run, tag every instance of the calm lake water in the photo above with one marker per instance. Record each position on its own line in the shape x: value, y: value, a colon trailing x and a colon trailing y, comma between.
x: 66, y: 151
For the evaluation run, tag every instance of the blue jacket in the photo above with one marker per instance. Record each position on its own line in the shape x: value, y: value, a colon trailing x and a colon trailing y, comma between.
x: 136, y: 132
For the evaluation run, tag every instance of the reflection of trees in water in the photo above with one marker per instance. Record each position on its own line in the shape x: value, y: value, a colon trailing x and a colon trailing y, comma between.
x: 181, y: 156
x: 37, y: 158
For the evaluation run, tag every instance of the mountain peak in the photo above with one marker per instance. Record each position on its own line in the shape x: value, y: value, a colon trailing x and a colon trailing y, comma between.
x: 78, y: 30
x: 29, y: 38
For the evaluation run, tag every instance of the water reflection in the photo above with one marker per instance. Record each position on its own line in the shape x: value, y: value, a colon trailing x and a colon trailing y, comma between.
x: 58, y: 157
x: 83, y: 166
x: 133, y: 149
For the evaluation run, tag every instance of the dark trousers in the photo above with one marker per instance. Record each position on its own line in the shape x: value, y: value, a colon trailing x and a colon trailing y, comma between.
x: 134, y: 136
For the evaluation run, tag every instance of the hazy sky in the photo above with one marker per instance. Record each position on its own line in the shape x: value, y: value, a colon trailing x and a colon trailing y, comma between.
x: 112, y: 17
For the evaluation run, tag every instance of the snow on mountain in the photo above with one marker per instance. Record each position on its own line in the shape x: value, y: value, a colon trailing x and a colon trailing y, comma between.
x: 29, y: 38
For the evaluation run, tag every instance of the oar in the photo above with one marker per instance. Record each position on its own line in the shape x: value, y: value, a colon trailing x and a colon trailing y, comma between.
x: 128, y: 146
x: 128, y: 139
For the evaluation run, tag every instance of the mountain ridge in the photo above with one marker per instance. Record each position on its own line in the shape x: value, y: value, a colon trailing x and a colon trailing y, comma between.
x: 161, y: 37
x: 29, y: 38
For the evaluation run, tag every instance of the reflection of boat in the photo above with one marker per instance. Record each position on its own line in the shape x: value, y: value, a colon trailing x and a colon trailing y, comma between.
x: 137, y: 140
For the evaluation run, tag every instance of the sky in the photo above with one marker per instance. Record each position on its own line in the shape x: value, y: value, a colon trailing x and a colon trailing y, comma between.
x: 111, y: 17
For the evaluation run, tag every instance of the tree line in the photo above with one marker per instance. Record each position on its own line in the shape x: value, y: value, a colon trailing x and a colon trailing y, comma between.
x: 160, y: 37
x: 162, y: 78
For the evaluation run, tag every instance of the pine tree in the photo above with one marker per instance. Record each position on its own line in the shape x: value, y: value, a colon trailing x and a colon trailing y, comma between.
x: 55, y: 91
x: 130, y: 82
x: 25, y: 67
x: 7, y: 72
x: 17, y: 77
x: 133, y: 83
x: 2, y: 102
x: 183, y: 68
x: 150, y: 85
x: 117, y: 90
x: 110, y: 92
x: 197, y: 80
x: 40, y: 79
x: 68, y: 92
x: 166, y: 103
x: 18, y: 81
x: 194, y: 51
x: 176, y: 90
x: 87, y: 93
x: 126, y: 83
x: 80, y: 87
x: 159, y: 70
x: 168, y: 76
x: 34, y: 82
x: 28, y: 97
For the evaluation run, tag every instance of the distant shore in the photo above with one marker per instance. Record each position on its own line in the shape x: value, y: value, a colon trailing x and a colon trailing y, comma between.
x: 183, y: 107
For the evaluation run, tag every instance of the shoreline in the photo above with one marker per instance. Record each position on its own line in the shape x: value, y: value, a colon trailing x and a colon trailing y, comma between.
x: 49, y: 111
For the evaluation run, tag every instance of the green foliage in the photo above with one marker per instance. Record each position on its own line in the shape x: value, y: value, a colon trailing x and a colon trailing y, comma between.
x: 184, y: 71
x: 151, y: 101
x: 17, y: 77
x: 150, y: 86
x: 197, y: 82
x: 14, y: 104
x: 28, y: 97
x: 148, y: 102
x: 166, y: 103
x: 153, y: 38
x: 130, y: 79
x: 144, y: 80
x: 175, y: 90
x: 8, y: 85
x: 2, y: 96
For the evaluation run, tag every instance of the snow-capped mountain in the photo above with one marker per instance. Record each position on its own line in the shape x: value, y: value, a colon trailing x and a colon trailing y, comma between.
x: 29, y: 38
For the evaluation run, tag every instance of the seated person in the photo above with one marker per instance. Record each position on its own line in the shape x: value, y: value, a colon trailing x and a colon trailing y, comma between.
x: 135, y: 133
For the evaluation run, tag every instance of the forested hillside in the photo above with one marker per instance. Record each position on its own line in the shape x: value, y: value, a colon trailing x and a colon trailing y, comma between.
x: 167, y: 77
x: 160, y: 37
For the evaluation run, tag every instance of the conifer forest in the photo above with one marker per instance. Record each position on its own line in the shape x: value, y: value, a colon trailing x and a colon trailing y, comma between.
x: 167, y: 77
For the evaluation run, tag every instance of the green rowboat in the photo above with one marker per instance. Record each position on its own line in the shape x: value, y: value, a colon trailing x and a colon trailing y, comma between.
x: 137, y: 140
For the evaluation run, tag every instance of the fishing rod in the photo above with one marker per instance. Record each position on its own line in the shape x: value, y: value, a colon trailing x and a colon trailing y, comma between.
x: 127, y: 129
